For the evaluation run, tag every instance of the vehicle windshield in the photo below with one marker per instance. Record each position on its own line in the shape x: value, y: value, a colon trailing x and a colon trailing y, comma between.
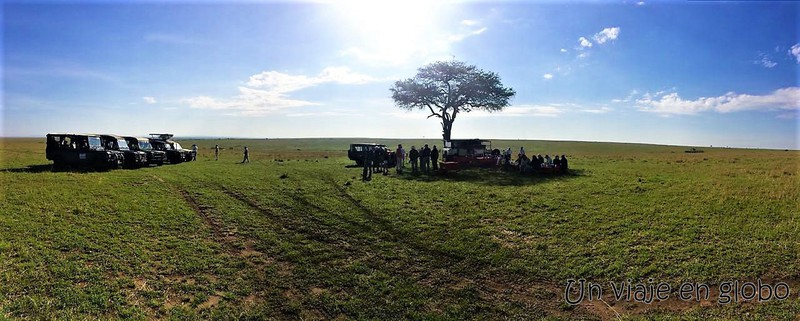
x: 123, y: 145
x: 145, y: 145
x: 177, y: 146
x: 95, y: 144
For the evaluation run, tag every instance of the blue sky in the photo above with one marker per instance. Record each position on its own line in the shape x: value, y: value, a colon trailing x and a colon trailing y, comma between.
x: 693, y: 73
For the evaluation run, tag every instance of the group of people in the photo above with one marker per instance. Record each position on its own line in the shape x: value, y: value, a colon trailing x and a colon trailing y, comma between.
x: 532, y: 164
x: 379, y: 160
x: 246, y: 153
x: 423, y: 160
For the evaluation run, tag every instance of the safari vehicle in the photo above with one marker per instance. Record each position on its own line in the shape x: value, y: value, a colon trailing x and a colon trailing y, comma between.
x: 154, y: 157
x: 465, y: 153
x: 175, y: 153
x: 357, y: 151
x: 81, y: 150
x: 132, y: 158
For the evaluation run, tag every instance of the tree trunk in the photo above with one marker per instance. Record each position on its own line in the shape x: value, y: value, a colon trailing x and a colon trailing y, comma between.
x: 447, y: 126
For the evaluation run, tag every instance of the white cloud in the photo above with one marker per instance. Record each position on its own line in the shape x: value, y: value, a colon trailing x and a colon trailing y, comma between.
x: 640, y: 3
x: 583, y: 55
x: 585, y: 43
x: 671, y: 103
x: 267, y: 92
x: 795, y: 51
x: 563, y: 50
x: 606, y: 34
x: 149, y: 100
x: 547, y: 76
x: 468, y: 22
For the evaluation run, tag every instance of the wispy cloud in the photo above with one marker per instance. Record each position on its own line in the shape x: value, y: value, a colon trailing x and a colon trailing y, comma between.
x: 765, y: 61
x: 600, y: 110
x: 563, y: 50
x: 640, y: 3
x: 795, y: 51
x: 172, y: 39
x: 671, y: 103
x: 547, y: 76
x: 59, y: 70
x: 607, y: 34
x: 268, y: 92
x: 461, y: 36
x: 149, y: 100
x: 550, y: 110
x: 468, y: 22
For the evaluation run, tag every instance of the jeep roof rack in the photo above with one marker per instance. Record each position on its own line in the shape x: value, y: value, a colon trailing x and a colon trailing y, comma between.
x: 162, y: 136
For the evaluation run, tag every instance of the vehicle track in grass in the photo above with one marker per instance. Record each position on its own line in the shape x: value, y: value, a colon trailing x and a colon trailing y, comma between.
x: 431, y: 268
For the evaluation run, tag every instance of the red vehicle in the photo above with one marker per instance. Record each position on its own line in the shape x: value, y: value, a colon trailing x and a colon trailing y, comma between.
x: 466, y: 153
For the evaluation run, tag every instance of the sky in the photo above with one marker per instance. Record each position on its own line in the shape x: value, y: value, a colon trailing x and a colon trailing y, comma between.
x: 693, y: 73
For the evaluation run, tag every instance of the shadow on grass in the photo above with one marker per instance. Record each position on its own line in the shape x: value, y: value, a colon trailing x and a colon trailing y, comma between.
x: 50, y: 168
x: 494, y: 177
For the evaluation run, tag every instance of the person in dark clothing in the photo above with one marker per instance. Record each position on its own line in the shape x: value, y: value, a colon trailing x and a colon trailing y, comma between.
x: 435, y: 158
x: 535, y: 163
x: 541, y: 159
x: 557, y: 162
x: 246, y: 155
x: 377, y: 158
x: 425, y: 157
x: 564, y: 164
x: 414, y: 156
x: 387, y: 158
x: 366, y: 173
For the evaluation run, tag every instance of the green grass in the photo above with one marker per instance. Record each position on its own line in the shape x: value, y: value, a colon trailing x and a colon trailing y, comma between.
x: 221, y: 240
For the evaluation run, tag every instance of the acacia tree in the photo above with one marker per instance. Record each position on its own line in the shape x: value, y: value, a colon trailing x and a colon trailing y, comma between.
x: 447, y: 88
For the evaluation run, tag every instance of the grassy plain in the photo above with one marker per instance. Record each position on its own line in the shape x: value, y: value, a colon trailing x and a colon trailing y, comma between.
x: 296, y: 235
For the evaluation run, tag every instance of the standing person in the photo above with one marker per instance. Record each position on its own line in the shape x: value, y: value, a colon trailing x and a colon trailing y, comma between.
x: 377, y: 158
x: 564, y: 164
x: 435, y: 158
x: 246, y: 155
x: 400, y: 154
x: 521, y: 151
x: 366, y: 173
x: 507, y: 156
x: 194, y: 152
x: 216, y: 152
x: 387, y: 158
x: 425, y: 156
x: 413, y: 155
x: 557, y: 162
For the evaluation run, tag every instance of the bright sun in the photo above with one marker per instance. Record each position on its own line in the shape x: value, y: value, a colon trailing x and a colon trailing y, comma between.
x: 392, y: 31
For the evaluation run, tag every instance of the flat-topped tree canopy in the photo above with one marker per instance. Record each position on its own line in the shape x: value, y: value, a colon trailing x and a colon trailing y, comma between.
x: 447, y: 88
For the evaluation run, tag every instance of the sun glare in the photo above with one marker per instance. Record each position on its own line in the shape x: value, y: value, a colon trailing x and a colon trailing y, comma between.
x: 392, y: 31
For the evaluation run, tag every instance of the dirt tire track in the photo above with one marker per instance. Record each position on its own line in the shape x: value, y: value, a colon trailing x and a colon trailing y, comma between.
x: 220, y: 233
